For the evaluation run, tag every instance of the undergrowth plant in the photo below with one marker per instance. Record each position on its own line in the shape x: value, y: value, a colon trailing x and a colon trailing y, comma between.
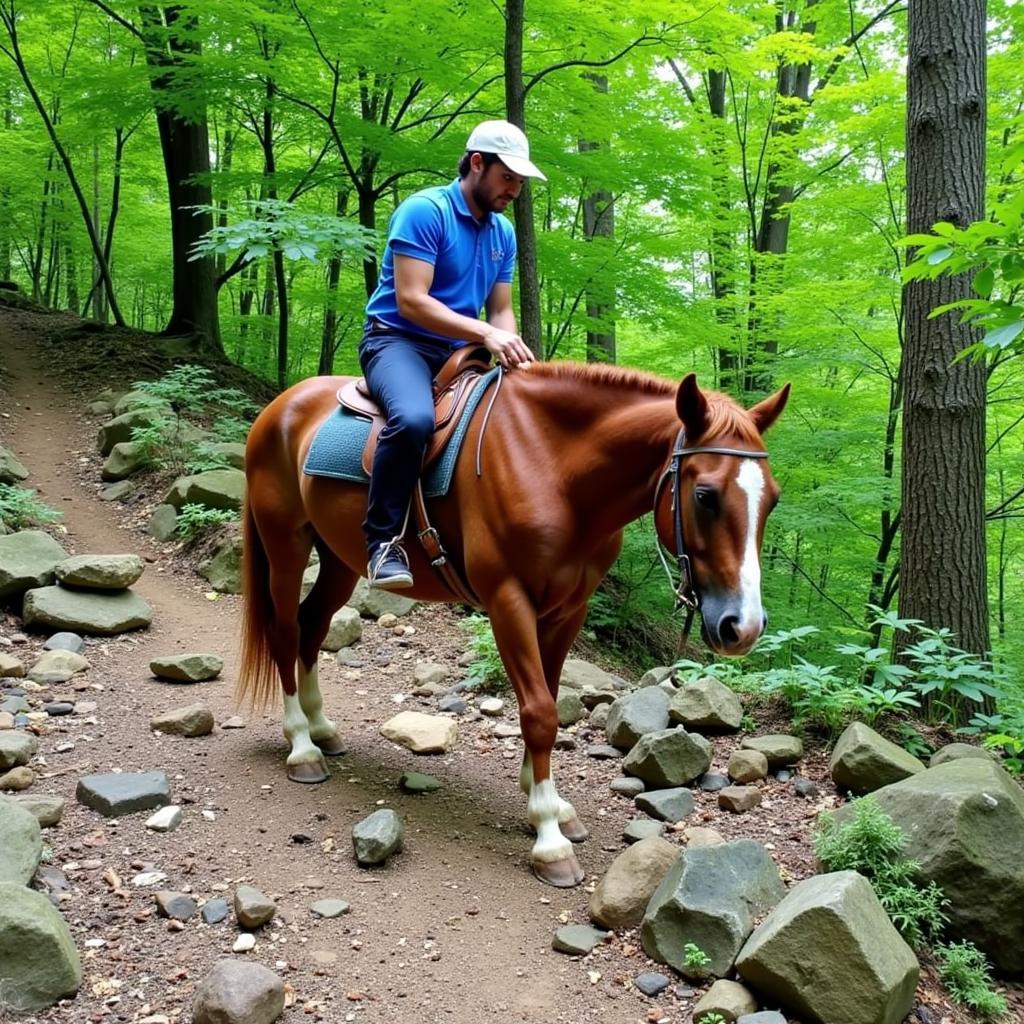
x: 871, y: 843
x: 194, y: 520
x: 19, y: 507
x: 964, y: 971
x: 695, y: 961
x: 486, y: 671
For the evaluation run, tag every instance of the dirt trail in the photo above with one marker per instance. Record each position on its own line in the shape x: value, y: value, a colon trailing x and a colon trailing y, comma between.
x: 453, y: 928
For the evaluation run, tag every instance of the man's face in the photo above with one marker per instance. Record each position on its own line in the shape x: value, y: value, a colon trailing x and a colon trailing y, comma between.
x: 495, y: 187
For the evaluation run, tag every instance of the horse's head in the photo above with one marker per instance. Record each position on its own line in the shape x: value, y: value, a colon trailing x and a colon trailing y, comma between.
x: 710, y: 508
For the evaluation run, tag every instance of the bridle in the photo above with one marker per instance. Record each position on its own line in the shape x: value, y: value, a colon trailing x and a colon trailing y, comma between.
x: 686, y: 593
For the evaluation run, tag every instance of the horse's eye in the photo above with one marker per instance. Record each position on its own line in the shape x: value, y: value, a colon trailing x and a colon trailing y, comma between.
x: 707, y: 498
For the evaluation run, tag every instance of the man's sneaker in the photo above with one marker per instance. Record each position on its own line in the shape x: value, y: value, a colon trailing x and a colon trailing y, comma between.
x: 389, y: 568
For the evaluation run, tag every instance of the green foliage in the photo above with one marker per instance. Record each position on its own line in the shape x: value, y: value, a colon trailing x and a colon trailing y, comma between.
x: 194, y: 520
x: 964, y: 971
x: 19, y: 508
x: 871, y: 843
x: 1002, y: 733
x: 193, y: 390
x: 486, y: 672
x: 695, y: 960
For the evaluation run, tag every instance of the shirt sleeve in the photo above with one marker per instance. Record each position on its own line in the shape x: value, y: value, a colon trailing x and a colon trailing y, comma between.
x: 508, y: 264
x: 416, y: 229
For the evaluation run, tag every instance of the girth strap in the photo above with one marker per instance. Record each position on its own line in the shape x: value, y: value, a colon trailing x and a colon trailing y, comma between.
x: 430, y: 540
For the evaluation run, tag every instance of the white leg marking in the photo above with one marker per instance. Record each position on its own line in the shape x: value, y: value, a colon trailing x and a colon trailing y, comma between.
x: 312, y: 703
x: 543, y: 810
x: 566, y: 811
x: 296, y: 732
x: 751, y: 481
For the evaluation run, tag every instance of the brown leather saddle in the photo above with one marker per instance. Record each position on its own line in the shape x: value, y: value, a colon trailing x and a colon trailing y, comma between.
x: 452, y: 387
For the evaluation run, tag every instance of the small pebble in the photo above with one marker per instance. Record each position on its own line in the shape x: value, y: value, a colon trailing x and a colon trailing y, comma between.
x: 244, y: 943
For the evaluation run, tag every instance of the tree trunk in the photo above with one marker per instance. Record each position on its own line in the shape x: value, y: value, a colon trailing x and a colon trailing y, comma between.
x: 526, y: 237
x: 325, y: 364
x: 599, y: 222
x: 185, y: 143
x: 942, y: 565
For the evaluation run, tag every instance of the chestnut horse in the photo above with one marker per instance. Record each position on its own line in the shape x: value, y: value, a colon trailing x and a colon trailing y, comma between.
x: 570, y: 455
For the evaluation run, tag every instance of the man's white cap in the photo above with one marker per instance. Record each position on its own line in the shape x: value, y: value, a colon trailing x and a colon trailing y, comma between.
x: 508, y: 143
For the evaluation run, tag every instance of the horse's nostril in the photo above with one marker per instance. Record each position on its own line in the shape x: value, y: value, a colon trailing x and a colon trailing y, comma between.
x: 727, y: 629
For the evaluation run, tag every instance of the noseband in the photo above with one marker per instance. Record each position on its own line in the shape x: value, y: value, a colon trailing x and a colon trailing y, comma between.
x: 685, y: 593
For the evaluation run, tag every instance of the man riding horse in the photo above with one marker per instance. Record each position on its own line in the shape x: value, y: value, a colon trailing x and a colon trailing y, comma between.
x: 449, y: 254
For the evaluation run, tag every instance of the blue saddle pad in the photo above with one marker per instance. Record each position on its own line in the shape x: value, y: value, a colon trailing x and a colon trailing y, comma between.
x: 337, y: 448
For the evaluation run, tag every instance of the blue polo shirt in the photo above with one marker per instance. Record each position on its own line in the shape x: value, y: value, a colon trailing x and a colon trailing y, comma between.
x: 468, y: 256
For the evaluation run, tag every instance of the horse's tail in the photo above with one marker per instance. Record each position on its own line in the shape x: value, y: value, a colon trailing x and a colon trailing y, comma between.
x: 257, y: 675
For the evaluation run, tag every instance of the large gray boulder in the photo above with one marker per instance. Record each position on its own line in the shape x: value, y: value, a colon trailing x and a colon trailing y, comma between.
x: 345, y: 629
x: 125, y: 459
x: 863, y: 761
x: 635, y: 714
x: 103, y: 614
x: 216, y: 488
x: 120, y: 428
x: 16, y: 747
x: 372, y: 603
x: 187, y: 668
x: 100, y: 572
x: 711, y: 897
x: 132, y: 400
x: 38, y: 960
x: 11, y: 470
x: 706, y: 704
x: 231, y: 452
x: 27, y: 559
x: 237, y: 992
x: 830, y: 952
x: 779, y: 748
x: 625, y: 890
x: 223, y: 571
x: 20, y: 845
x: 964, y: 824
x: 114, y: 794
x: 671, y: 757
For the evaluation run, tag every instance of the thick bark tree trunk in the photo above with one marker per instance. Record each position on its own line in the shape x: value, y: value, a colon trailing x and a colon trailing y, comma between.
x: 943, y: 565
x: 526, y: 237
x: 327, y: 337
x: 185, y: 143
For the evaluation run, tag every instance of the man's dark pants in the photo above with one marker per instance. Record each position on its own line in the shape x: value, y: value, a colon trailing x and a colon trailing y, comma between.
x: 399, y: 369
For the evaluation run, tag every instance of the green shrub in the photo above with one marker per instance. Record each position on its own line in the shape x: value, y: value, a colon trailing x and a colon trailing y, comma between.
x: 19, y: 508
x: 195, y: 520
x: 871, y: 843
x: 964, y: 971
x: 695, y: 961
x: 486, y: 671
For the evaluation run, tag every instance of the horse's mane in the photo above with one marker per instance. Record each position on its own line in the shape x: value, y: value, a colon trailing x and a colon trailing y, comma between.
x: 726, y: 416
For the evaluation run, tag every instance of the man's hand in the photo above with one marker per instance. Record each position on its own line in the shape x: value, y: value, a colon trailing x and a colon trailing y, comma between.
x: 508, y: 348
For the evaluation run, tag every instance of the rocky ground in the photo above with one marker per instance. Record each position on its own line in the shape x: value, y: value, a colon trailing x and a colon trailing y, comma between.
x: 453, y: 927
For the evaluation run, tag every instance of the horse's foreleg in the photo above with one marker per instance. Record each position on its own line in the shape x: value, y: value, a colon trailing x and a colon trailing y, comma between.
x: 514, y: 623
x: 569, y: 823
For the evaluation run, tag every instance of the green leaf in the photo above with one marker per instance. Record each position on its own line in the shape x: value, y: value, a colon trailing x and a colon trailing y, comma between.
x: 1003, y: 337
x: 939, y: 256
x: 984, y: 281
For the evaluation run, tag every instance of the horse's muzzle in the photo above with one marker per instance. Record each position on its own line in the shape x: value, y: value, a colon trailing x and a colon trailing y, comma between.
x: 726, y: 633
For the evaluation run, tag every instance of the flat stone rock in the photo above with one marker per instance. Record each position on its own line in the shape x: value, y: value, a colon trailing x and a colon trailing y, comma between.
x: 68, y: 663
x: 57, y: 709
x: 728, y: 999
x: 622, y: 895
x: 11, y: 470
x: 10, y: 667
x: 163, y: 523
x: 244, y: 943
x: 627, y: 786
x: 252, y: 908
x: 651, y: 983
x: 863, y: 761
x: 118, y: 490
x: 706, y: 704
x: 453, y: 704
x: 216, y: 488
x: 187, y: 668
x: 223, y: 570
x: 668, y: 758
x: 642, y: 828
x: 739, y: 798
x: 747, y: 765
x: 569, y: 707
x: 125, y: 459
x: 421, y: 733
x: 214, y: 911
x: 372, y: 603
x: 116, y: 794
x: 167, y: 819
x: 603, y: 752
x: 712, y: 782
x: 417, y: 782
x: 194, y: 720
x: 91, y: 612
x: 577, y: 939
x: 635, y: 714
x: 430, y: 673
x: 20, y: 844
x: 17, y: 779
x: 234, y: 722
x: 47, y: 809
x: 492, y: 706
x: 330, y: 908
x: 27, y: 559
x: 780, y: 749
x: 805, y: 788
x: 178, y: 906
x: 666, y: 804
x: 764, y: 1017
x: 16, y: 748
x: 599, y: 716
x: 100, y: 572
x: 377, y: 837
x: 950, y: 752
x: 38, y: 960
x: 235, y: 992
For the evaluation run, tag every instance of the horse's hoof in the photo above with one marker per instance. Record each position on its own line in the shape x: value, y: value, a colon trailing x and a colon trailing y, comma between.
x: 308, y: 772
x: 564, y: 873
x: 574, y: 830
x: 331, y: 745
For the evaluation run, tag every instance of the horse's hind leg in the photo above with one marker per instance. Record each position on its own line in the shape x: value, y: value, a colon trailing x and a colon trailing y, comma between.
x: 334, y: 585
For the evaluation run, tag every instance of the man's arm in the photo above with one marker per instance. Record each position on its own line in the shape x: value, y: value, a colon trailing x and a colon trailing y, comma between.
x: 413, y: 279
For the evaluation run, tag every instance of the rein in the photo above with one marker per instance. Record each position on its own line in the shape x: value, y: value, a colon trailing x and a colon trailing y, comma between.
x: 686, y: 594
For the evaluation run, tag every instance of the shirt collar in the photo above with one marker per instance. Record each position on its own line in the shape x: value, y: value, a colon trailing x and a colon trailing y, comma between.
x: 458, y: 200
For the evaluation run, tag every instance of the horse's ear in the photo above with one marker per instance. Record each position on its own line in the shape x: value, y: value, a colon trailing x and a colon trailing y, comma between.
x: 692, y: 407
x: 765, y: 413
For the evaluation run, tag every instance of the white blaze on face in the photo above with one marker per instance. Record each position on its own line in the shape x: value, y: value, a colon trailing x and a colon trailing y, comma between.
x: 751, y: 481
